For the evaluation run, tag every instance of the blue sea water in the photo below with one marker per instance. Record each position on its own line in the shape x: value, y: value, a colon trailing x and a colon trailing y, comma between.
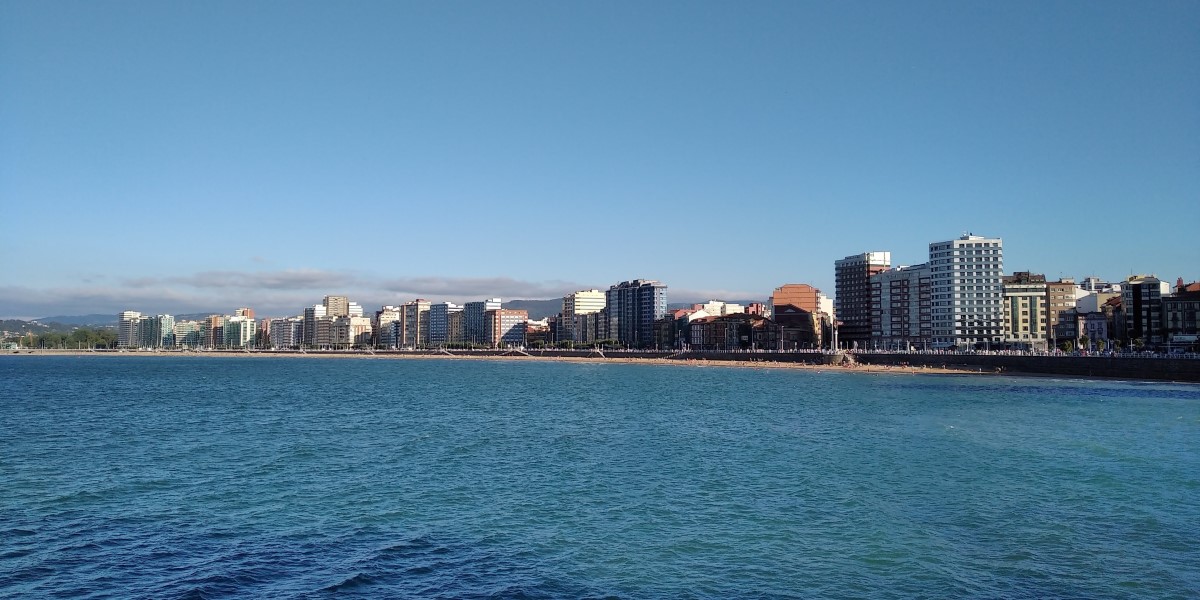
x: 198, y: 477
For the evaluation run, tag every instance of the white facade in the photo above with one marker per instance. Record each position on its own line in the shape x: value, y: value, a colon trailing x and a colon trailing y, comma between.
x: 967, y: 291
x: 129, y: 329
x: 286, y: 333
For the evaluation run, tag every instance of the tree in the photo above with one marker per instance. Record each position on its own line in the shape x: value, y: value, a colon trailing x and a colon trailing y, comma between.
x: 1084, y: 342
x: 1101, y: 344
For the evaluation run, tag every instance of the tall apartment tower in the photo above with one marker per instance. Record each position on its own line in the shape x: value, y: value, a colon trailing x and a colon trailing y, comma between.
x: 901, y: 310
x: 852, y: 295
x: 337, y: 306
x: 575, y: 308
x: 1025, y: 317
x: 1141, y: 304
x: 1060, y: 311
x: 415, y: 324
x: 440, y: 316
x: 474, y: 320
x: 631, y: 308
x: 967, y: 290
x: 129, y: 329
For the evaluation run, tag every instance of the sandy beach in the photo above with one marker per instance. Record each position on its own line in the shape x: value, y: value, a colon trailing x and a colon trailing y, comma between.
x: 533, y: 357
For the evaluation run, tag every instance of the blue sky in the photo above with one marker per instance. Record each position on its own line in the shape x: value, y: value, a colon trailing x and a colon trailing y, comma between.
x: 179, y: 157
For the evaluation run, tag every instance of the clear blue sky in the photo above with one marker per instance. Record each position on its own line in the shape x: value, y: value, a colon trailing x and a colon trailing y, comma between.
x: 188, y: 156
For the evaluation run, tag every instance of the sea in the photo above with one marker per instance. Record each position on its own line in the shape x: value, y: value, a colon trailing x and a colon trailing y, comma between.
x: 257, y: 477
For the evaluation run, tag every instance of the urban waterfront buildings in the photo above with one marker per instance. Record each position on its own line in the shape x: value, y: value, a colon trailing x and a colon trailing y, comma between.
x: 1025, y: 317
x: 960, y: 298
x: 901, y: 308
x: 631, y: 308
x: 852, y: 300
x: 967, y: 292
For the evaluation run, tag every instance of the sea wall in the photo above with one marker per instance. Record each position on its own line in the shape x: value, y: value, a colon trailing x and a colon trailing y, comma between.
x: 1163, y: 369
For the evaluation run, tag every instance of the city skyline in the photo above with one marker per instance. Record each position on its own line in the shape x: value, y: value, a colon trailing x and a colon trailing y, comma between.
x: 185, y: 158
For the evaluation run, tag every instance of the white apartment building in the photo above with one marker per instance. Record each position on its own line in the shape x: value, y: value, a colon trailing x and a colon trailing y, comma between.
x: 287, y: 333
x: 967, y: 291
x: 129, y: 329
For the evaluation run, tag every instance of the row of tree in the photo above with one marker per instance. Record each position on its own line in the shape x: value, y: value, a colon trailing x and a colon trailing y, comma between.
x: 82, y: 338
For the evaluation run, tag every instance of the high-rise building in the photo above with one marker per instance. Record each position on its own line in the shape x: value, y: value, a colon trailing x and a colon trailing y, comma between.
x: 415, y: 324
x: 384, y: 317
x: 336, y: 306
x: 129, y: 329
x: 505, y: 328
x: 1025, y: 315
x: 439, y: 322
x: 474, y: 320
x: 901, y: 309
x: 312, y: 315
x: 632, y: 307
x: 287, y: 333
x: 212, y: 331
x: 575, y: 308
x: 967, y: 291
x: 187, y: 334
x: 852, y: 295
x: 239, y: 332
x: 1061, y: 298
x: 1141, y: 305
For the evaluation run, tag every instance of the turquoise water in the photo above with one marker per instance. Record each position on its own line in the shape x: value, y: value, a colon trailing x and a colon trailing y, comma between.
x: 124, y: 477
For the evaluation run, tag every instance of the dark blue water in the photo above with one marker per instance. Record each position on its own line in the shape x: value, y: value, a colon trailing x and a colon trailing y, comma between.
x: 125, y: 477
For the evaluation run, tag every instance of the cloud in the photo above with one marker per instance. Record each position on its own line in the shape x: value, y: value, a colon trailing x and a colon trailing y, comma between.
x: 269, y: 293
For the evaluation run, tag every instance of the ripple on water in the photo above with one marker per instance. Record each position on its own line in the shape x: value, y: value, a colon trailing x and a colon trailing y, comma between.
x: 209, y: 478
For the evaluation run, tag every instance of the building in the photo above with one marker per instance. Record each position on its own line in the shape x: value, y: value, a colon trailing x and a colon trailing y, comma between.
x: 187, y: 334
x: 1141, y: 307
x: 312, y: 315
x: 158, y: 331
x: 1025, y: 298
x: 505, y: 328
x: 382, y: 325
x: 852, y: 295
x: 967, y: 292
x: 414, y: 325
x: 351, y: 330
x: 440, y: 319
x: 475, y: 320
x: 901, y: 308
x: 239, y: 332
x: 1062, y: 296
x: 212, y: 331
x: 1180, y: 318
x: 631, y: 308
x: 738, y: 331
x: 336, y: 306
x: 800, y: 295
x: 578, y: 309
x: 287, y: 333
x: 129, y: 329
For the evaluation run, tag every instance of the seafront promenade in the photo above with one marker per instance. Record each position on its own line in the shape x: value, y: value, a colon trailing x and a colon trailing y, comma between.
x: 1132, y: 367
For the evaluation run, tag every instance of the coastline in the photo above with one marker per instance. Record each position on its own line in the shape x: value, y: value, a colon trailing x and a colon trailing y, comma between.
x: 1164, y: 370
x: 679, y: 362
